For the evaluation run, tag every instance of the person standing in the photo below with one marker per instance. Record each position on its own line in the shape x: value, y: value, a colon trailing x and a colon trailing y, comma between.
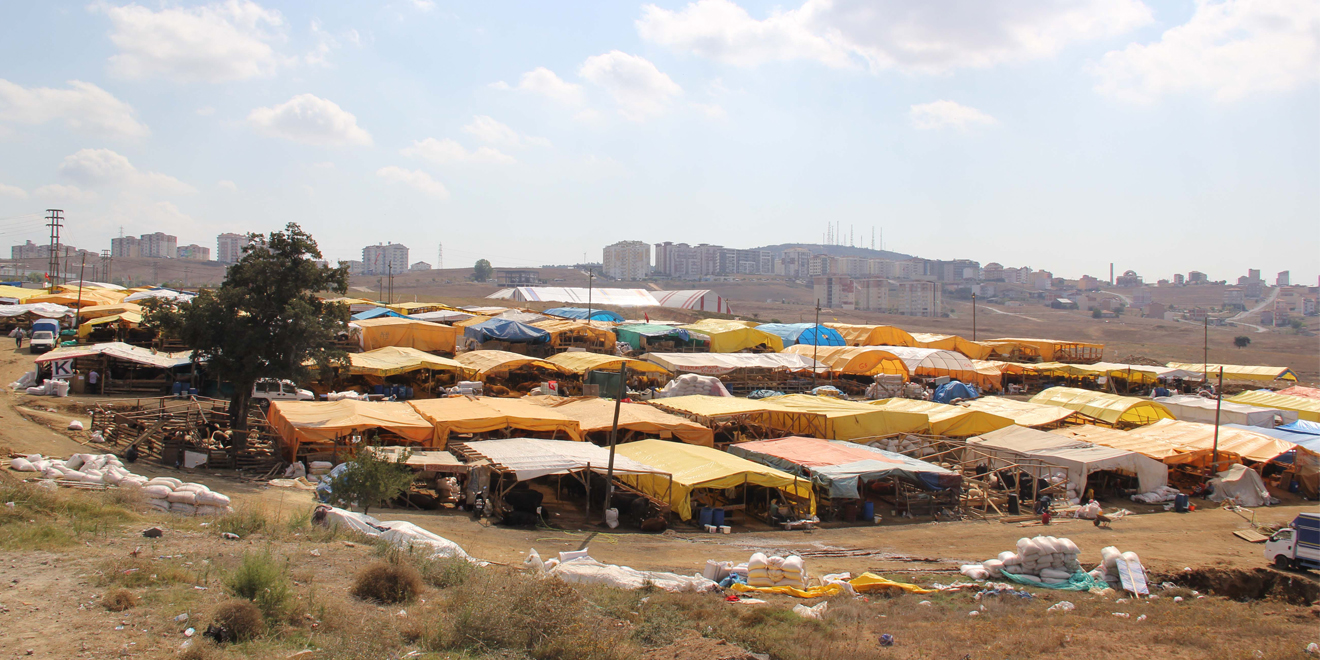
x: 18, y: 337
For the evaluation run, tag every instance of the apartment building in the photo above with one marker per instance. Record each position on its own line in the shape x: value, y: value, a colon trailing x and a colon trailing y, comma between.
x: 383, y: 259
x: 229, y: 247
x: 627, y: 260
x: 193, y: 252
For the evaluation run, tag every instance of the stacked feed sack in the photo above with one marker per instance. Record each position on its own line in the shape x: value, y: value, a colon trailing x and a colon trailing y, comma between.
x: 80, y: 468
x: 1045, y: 558
x: 691, y: 384
x: 170, y: 494
x: 776, y: 571
x: 1108, y: 568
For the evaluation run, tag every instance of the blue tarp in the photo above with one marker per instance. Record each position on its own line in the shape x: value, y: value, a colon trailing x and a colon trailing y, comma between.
x: 1311, y: 442
x: 1303, y: 426
x: 580, y: 313
x: 804, y: 333
x: 375, y: 313
x: 506, y: 330
x: 954, y: 389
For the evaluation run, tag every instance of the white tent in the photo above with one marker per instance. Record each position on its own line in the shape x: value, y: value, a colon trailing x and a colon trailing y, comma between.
x: 163, y: 293
x: 529, y: 458
x: 579, y: 296
x: 930, y: 358
x: 1200, y: 409
x: 1078, y: 458
x: 1241, y: 483
x: 699, y: 299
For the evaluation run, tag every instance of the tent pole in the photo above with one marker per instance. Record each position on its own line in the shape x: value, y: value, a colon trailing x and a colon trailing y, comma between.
x: 614, y: 434
x: 1219, y: 402
x: 815, y: 345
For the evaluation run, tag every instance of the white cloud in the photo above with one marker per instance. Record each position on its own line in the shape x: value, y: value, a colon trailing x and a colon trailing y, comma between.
x: 1230, y: 49
x: 417, y: 179
x: 640, y: 89
x: 218, y: 42
x: 711, y: 110
x: 13, y: 192
x: 487, y: 129
x: 325, y: 42
x: 226, y: 185
x: 311, y: 120
x: 62, y: 192
x: 448, y: 151
x: 546, y: 83
x: 934, y: 36
x: 205, y: 111
x: 103, y: 167
x: 423, y: 5
x: 947, y: 114
x: 82, y: 107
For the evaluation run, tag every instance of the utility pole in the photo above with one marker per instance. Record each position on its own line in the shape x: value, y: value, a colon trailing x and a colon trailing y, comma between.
x: 55, y: 220
x: 1219, y: 402
x: 1205, y: 348
x: 591, y: 274
x: 390, y: 271
x: 973, y: 317
x: 440, y: 258
x: 614, y: 430
x: 78, y: 309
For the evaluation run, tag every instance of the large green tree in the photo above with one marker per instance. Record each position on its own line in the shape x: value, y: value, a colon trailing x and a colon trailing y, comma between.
x: 265, y: 320
x: 482, y: 270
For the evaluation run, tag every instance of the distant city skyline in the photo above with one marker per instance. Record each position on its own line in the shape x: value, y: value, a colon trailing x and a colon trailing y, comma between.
x: 1161, y: 135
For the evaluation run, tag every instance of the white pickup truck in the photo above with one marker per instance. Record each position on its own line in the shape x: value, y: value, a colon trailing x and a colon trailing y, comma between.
x: 270, y: 389
x: 41, y: 341
x: 1297, y: 546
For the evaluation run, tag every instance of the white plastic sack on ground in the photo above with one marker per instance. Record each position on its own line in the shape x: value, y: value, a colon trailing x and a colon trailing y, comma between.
x: 814, y: 612
x: 397, y: 532
x: 586, y: 570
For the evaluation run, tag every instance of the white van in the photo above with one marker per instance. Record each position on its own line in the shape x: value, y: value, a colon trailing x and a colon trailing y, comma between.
x: 270, y: 389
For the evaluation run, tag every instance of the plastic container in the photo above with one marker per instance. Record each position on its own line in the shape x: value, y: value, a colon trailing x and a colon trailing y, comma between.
x: 704, y: 516
x: 717, y: 517
x: 726, y: 529
x: 177, y: 389
x: 868, y: 510
x: 192, y: 391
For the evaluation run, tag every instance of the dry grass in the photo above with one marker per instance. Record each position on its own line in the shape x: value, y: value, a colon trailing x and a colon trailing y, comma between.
x: 235, y: 621
x: 387, y: 583
x: 51, y: 519
x: 119, y: 600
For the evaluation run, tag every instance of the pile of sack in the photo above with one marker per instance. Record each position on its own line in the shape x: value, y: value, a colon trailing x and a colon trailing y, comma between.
x: 175, y: 496
x: 1088, y: 511
x: 81, y: 468
x: 904, y: 445
x: 52, y: 387
x: 1161, y: 494
x: 342, y: 396
x: 776, y: 571
x: 1108, y: 568
x: 1046, y: 558
x: 693, y: 384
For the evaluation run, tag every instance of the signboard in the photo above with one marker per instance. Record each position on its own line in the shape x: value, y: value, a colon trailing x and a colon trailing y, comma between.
x: 1133, y: 577
x: 61, y: 368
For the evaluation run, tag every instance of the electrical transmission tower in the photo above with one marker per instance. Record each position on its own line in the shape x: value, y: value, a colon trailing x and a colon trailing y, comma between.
x: 440, y: 258
x: 55, y: 220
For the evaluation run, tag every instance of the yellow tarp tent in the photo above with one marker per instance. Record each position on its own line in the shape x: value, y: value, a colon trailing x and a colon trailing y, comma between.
x: 872, y: 335
x: 409, y: 308
x: 854, y: 360
x: 562, y: 330
x: 1238, y: 371
x: 392, y: 331
x: 1307, y: 409
x: 320, y: 422
x: 394, y: 360
x: 733, y: 336
x: 1048, y: 350
x: 89, y: 298
x: 485, y: 363
x: 1108, y: 408
x: 463, y: 414
x: 595, y: 415
x: 972, y: 349
x: 18, y: 293
x: 124, y: 320
x: 863, y: 584
x: 712, y: 410
x: 97, y: 311
x: 1024, y: 413
x: 1194, y: 436
x: 580, y: 362
x: 851, y: 420
x: 695, y: 467
x: 947, y: 420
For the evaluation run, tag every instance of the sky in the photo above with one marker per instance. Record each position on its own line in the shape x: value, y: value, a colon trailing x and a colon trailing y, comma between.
x: 1162, y: 136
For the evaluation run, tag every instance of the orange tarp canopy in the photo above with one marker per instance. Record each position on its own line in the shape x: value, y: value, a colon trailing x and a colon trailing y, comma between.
x: 464, y: 414
x: 321, y: 422
x: 595, y: 415
x: 392, y: 331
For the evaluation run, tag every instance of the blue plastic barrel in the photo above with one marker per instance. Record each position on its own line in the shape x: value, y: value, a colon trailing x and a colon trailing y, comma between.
x: 192, y: 391
x: 868, y: 510
x: 1180, y: 503
x: 409, y: 393
x: 717, y: 517
x: 378, y: 389
x: 178, y: 387
x: 704, y: 516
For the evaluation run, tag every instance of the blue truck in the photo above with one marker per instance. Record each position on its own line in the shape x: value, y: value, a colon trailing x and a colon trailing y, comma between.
x: 45, y: 335
x: 1296, y: 546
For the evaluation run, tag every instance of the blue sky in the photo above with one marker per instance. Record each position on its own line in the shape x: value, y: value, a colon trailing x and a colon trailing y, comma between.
x: 1163, y: 136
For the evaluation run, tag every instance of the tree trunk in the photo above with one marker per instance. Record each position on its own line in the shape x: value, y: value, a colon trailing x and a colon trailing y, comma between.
x: 238, y: 417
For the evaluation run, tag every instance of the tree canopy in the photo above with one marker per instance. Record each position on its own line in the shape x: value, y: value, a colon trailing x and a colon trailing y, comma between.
x: 265, y: 320
x: 1242, y: 341
x: 482, y: 270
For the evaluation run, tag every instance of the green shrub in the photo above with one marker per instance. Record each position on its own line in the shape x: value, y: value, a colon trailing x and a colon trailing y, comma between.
x: 264, y: 580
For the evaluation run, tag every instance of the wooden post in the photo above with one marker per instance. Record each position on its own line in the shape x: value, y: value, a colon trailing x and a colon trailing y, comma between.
x: 614, y: 434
